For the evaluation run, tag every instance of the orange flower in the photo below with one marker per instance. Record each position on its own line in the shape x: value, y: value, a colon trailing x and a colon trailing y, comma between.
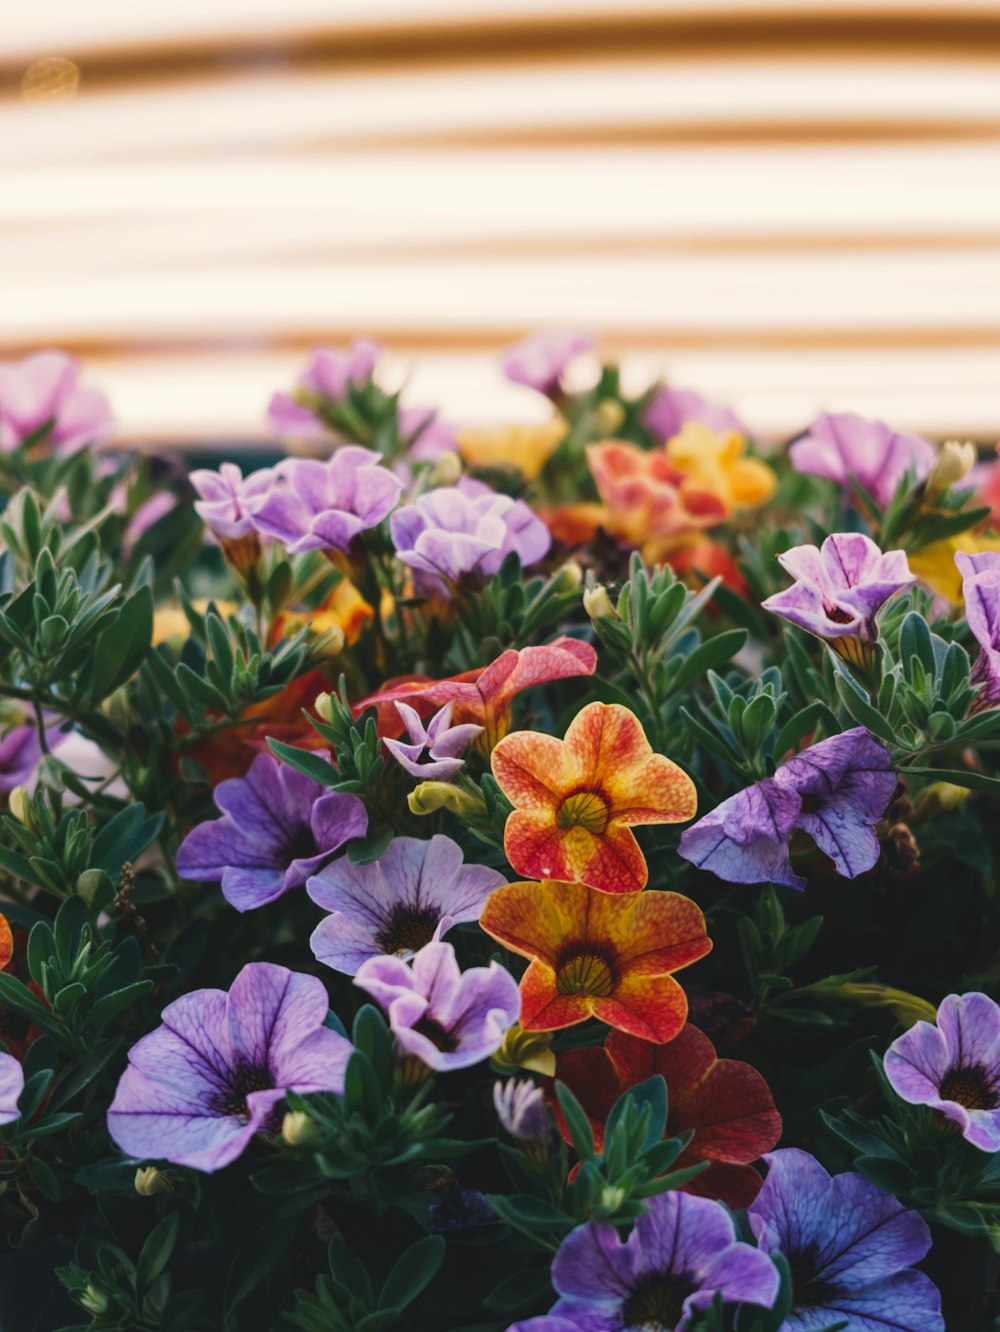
x: 647, y: 498
x: 593, y: 954
x: 714, y: 461
x: 345, y: 609
x: 574, y: 799
x: 6, y: 942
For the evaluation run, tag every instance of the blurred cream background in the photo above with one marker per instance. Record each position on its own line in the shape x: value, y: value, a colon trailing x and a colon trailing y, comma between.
x: 788, y: 206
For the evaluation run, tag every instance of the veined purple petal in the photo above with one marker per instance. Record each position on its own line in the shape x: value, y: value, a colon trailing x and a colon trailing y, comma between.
x: 11, y: 1087
x: 745, y: 839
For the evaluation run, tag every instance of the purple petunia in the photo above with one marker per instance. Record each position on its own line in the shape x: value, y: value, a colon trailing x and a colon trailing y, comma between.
x: 445, y: 1017
x: 539, y: 362
x: 843, y: 445
x: 467, y: 529
x: 954, y: 1067
x: 41, y: 398
x: 839, y: 589
x: 850, y: 1247
x: 670, y: 408
x: 278, y: 827
x: 442, y: 742
x: 21, y: 753
x: 412, y: 894
x: 227, y: 499
x: 521, y: 1110
x: 680, y: 1252
x: 430, y: 437
x: 328, y: 375
x: 836, y: 791
x: 981, y: 592
x: 314, y: 505
x: 11, y: 1087
x: 200, y: 1086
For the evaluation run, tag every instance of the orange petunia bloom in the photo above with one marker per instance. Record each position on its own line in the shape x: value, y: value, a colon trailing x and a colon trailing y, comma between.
x: 725, y: 1101
x: 345, y: 609
x: 575, y: 799
x: 597, y: 955
x: 6, y: 942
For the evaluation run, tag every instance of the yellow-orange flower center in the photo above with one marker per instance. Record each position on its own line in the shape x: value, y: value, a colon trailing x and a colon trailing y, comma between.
x: 585, y: 973
x: 584, y: 809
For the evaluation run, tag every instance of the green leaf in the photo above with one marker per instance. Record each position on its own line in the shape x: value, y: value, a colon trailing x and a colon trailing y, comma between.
x: 577, y: 1124
x: 122, y: 647
x: 125, y: 838
x: 972, y: 781
x: 412, y: 1272
x: 108, y: 1008
x: 306, y: 761
x: 652, y: 1092
x: 790, y: 735
x: 156, y: 1253
x: 254, y: 1259
x: 709, y: 655
x: 863, y: 712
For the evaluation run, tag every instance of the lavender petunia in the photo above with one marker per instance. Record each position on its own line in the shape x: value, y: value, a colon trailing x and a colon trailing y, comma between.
x: 429, y: 437
x: 679, y: 1254
x: 21, y: 753
x: 328, y: 374
x: 445, y: 1017
x: 745, y: 839
x: 11, y: 1087
x: 40, y: 397
x: 521, y: 1110
x: 954, y: 1067
x: 278, y: 827
x: 227, y: 499
x: 462, y: 530
x: 981, y: 593
x: 200, y: 1086
x: 850, y: 1247
x: 539, y: 362
x: 412, y: 894
x: 670, y: 408
x: 835, y: 791
x: 839, y: 589
x: 843, y: 445
x: 442, y: 742
x: 316, y: 505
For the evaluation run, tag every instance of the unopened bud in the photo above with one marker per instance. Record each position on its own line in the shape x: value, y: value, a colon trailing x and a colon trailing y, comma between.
x: 610, y: 415
x: 429, y: 797
x: 568, y: 578
x: 446, y: 471
x: 94, y: 1300
x: 297, y: 1128
x: 19, y: 804
x: 938, y: 798
x: 324, y: 708
x: 611, y: 1198
x: 597, y: 603
x: 149, y: 1182
x: 905, y: 1007
x: 330, y: 642
x: 954, y: 462
x: 531, y: 1050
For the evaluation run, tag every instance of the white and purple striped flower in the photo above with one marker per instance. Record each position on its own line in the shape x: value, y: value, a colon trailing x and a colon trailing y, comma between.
x: 442, y: 742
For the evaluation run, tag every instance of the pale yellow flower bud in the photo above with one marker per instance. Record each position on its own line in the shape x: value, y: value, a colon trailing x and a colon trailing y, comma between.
x: 429, y: 797
x: 446, y: 471
x: 597, y: 603
x: 610, y: 415
x: 954, y: 462
x: 530, y: 1050
x: 297, y: 1128
x: 906, y: 1008
x: 330, y: 643
x: 94, y: 1300
x: 569, y: 577
x: 149, y: 1182
x: 324, y: 708
x: 19, y: 804
x: 939, y: 798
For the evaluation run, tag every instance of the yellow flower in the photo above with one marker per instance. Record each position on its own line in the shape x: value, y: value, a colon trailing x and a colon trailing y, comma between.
x: 170, y: 622
x: 954, y: 462
x: 714, y: 461
x: 344, y: 609
x: 528, y: 448
x: 935, y: 564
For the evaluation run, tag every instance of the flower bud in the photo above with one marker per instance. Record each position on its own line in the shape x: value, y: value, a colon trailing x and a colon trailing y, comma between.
x: 597, y: 603
x: 611, y: 1198
x: 19, y: 804
x: 906, y: 1008
x: 531, y: 1050
x: 94, y: 1300
x: 149, y: 1182
x: 446, y: 471
x: 568, y: 578
x: 939, y: 798
x: 324, y: 708
x: 954, y: 462
x: 330, y: 643
x: 429, y: 797
x: 610, y: 415
x: 297, y: 1128
x: 520, y: 1107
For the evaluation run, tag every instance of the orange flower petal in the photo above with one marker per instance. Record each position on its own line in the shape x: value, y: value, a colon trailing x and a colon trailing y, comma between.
x: 534, y: 770
x: 6, y: 942
x: 543, y: 1007
x: 603, y: 737
x: 535, y: 919
x: 613, y: 863
x: 651, y: 1007
x: 660, y: 932
x: 535, y: 844
x: 654, y: 791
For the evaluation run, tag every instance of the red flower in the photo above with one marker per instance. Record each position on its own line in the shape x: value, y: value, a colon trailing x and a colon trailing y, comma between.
x: 725, y: 1101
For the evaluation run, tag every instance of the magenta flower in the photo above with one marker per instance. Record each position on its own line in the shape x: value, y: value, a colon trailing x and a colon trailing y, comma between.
x: 680, y: 1253
x: 954, y: 1067
x: 324, y: 505
x: 200, y: 1086
x: 670, y: 408
x: 328, y: 374
x: 540, y: 361
x: 844, y: 445
x: 463, y: 530
x: 836, y: 791
x: 11, y: 1087
x: 981, y: 591
x: 277, y: 829
x: 41, y: 401
x: 850, y: 1247
x: 445, y: 1017
x: 838, y: 591
x: 410, y: 896
x: 442, y: 741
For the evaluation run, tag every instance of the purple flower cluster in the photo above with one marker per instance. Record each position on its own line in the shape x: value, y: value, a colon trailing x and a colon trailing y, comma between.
x: 836, y: 791
x: 843, y: 445
x: 214, y: 1074
x: 277, y: 829
x: 328, y: 374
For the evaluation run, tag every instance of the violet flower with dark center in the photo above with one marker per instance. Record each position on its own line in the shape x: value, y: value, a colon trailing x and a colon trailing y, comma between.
x: 442, y: 742
x: 216, y: 1071
x: 459, y: 532
x: 539, y: 362
x: 41, y: 401
x: 981, y: 592
x: 314, y: 505
x: 278, y: 827
x: 679, y: 1254
x: 445, y: 1017
x: 842, y: 445
x: 669, y: 409
x: 850, y: 1247
x: 411, y: 895
x: 954, y: 1067
x: 836, y: 791
x: 839, y: 590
